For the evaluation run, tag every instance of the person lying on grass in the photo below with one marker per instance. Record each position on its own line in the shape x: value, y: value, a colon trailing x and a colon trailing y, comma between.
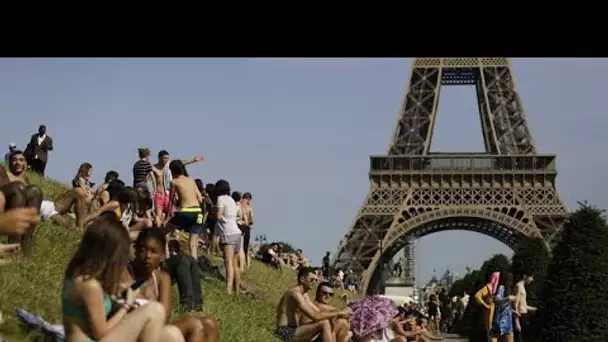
x: 92, y: 280
x: 149, y: 252
x: 56, y: 211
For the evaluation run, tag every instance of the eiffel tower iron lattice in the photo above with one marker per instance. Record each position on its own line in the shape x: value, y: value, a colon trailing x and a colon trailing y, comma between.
x: 507, y: 193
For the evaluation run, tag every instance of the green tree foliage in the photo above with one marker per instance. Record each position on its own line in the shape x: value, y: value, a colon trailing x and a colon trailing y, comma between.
x: 532, y: 258
x: 457, y: 288
x: 574, y: 302
x: 464, y: 285
x: 472, y: 323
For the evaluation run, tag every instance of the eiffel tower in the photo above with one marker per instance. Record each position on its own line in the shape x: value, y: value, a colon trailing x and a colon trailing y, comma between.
x: 507, y: 193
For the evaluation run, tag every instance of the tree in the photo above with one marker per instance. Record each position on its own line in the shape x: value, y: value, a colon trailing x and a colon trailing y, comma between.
x: 457, y: 288
x: 574, y: 300
x: 532, y: 258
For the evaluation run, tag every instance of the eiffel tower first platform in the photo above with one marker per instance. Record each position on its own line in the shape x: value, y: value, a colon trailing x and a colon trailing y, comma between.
x: 507, y: 193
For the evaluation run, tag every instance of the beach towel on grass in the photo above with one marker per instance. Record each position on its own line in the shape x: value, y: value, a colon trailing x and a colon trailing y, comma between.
x: 33, y: 321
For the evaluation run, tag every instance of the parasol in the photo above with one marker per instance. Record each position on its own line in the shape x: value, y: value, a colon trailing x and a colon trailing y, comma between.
x: 371, y: 314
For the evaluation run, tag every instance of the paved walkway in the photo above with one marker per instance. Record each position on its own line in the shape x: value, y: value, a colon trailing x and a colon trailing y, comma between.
x: 453, y: 338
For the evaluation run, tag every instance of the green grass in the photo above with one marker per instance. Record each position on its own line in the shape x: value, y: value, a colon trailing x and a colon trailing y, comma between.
x: 35, y: 285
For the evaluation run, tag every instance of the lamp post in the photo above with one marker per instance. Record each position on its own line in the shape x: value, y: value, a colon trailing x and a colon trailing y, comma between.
x: 261, y: 239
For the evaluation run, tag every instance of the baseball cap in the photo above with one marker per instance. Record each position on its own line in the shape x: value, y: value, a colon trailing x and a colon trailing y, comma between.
x: 12, y: 145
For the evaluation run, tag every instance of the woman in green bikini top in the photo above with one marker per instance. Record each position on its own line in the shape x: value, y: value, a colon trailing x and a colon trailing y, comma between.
x: 93, y: 277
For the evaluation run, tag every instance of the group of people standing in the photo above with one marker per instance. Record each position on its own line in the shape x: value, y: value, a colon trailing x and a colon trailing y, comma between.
x: 505, y: 307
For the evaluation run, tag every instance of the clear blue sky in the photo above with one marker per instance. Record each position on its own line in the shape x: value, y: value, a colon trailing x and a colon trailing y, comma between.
x: 296, y: 133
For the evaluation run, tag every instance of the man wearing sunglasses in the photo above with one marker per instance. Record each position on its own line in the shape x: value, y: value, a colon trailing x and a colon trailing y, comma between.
x: 322, y: 301
x: 294, y: 302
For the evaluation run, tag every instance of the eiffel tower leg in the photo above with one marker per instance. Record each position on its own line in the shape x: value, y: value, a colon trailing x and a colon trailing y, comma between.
x: 502, y: 115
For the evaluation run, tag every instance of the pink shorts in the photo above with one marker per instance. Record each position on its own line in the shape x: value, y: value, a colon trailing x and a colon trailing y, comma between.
x: 161, y: 200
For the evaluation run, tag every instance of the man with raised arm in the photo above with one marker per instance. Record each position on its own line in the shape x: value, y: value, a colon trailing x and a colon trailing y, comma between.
x: 162, y: 183
x: 295, y: 301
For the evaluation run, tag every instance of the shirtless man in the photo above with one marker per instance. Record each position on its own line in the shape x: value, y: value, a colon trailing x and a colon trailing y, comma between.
x: 189, y: 217
x: 161, y: 183
x: 294, y: 302
x: 56, y: 210
x: 19, y: 193
x: 323, y: 296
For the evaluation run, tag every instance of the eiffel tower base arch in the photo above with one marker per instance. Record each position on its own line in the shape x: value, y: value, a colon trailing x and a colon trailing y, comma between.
x: 493, y: 223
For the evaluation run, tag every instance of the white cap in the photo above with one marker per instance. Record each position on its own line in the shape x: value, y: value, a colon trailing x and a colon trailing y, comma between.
x: 12, y: 145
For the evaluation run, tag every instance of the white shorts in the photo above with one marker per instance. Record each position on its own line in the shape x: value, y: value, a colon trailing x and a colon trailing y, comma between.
x: 234, y: 239
x: 47, y: 209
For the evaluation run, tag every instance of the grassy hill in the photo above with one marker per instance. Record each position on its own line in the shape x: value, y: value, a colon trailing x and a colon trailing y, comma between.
x: 35, y: 285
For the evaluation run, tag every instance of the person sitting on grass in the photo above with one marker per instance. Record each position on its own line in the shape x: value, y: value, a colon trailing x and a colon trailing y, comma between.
x: 145, y: 211
x: 340, y: 326
x: 123, y: 203
x: 186, y: 272
x: 298, y: 260
x: 422, y: 330
x: 92, y: 279
x: 402, y: 319
x: 14, y: 222
x: 102, y: 195
x: 149, y: 251
x: 19, y: 192
x: 82, y: 181
x: 271, y: 257
x: 295, y: 302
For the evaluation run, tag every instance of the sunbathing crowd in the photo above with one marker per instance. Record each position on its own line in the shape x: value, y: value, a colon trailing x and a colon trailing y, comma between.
x: 300, y: 318
x: 139, y: 226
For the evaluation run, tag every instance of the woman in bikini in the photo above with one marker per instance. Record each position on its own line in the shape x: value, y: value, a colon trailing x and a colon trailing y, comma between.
x: 149, y: 251
x: 82, y: 180
x: 92, y: 279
